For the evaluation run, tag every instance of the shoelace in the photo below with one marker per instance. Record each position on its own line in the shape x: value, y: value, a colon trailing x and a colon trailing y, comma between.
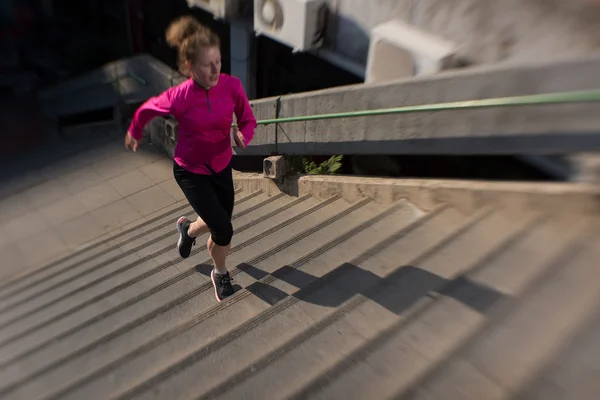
x: 225, y: 280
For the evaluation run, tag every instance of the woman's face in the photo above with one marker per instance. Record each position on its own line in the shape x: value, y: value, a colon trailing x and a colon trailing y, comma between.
x: 207, y: 68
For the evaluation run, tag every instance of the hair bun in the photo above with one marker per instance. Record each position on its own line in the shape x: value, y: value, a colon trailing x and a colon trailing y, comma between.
x: 180, y: 29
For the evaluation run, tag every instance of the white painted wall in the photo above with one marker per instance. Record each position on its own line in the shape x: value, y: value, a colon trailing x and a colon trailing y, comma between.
x: 490, y: 31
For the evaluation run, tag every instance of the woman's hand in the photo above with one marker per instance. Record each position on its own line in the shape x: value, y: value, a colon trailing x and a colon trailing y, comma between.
x: 131, y: 143
x: 238, y: 138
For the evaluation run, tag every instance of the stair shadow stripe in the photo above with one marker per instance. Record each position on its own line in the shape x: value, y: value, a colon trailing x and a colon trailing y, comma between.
x: 126, y: 232
x: 577, y: 246
x: 127, y: 284
x: 288, y: 301
x: 350, y: 304
x: 202, y: 288
x: 586, y: 335
x: 92, y: 257
x: 272, y: 311
x: 424, y: 304
x: 108, y: 276
x: 215, y: 309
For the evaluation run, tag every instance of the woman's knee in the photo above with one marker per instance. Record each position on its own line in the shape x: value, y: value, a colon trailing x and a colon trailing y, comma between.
x: 222, y: 236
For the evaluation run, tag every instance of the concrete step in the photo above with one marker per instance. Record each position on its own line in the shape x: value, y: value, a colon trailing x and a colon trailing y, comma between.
x: 381, y: 294
x: 572, y: 370
x: 513, y: 350
x: 105, y: 246
x: 408, y: 350
x: 45, y: 289
x: 39, y: 346
x: 357, y: 320
x: 365, y: 226
x: 289, y: 316
x: 169, y: 296
x: 136, y: 273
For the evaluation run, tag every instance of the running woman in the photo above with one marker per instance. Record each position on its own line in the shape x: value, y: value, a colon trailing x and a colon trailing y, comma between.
x: 203, y: 106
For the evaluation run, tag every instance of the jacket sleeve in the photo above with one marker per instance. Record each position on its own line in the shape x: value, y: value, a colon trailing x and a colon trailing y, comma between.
x: 159, y: 106
x: 243, y: 112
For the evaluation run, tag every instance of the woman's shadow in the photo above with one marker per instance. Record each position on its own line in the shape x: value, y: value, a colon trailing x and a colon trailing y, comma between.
x: 401, y: 288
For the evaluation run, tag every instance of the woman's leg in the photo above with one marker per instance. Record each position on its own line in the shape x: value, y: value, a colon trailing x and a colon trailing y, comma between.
x: 197, y: 228
x: 191, y: 186
x: 201, y: 192
x: 219, y: 242
x: 223, y: 184
x: 219, y: 255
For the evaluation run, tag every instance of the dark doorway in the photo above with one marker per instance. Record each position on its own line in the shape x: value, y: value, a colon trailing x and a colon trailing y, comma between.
x: 279, y: 71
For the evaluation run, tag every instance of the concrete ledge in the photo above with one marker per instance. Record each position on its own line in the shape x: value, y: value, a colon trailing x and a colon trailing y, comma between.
x: 549, y: 129
x: 464, y: 195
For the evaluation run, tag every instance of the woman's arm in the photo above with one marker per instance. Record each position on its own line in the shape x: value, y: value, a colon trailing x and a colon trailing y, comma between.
x: 245, y: 117
x: 158, y: 106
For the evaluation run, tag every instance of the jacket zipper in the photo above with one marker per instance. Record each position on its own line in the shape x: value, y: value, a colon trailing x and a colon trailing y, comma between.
x: 212, y: 171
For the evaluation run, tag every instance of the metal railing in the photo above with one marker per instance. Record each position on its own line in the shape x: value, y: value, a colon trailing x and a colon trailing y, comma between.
x: 581, y: 96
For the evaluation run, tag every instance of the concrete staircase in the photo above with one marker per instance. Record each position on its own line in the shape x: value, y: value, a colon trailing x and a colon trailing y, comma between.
x: 339, y: 296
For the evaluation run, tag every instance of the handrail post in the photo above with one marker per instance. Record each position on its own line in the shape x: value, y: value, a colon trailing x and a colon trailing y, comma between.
x: 277, y: 111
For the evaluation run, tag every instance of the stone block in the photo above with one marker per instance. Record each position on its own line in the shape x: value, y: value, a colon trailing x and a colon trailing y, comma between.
x: 586, y: 167
x: 275, y: 168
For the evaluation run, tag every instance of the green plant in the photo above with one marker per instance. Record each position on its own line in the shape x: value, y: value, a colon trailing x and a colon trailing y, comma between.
x: 328, y: 167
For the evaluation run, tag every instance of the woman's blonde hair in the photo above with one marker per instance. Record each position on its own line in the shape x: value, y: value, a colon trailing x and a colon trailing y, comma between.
x: 189, y: 36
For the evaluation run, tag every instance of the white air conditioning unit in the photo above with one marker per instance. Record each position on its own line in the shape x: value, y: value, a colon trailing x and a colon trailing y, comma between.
x: 299, y: 24
x: 221, y: 9
x: 397, y: 51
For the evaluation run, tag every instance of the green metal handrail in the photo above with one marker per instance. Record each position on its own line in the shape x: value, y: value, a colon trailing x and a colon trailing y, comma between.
x: 581, y: 96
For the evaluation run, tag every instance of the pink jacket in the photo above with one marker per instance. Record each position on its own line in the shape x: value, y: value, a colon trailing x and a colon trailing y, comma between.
x: 204, y: 121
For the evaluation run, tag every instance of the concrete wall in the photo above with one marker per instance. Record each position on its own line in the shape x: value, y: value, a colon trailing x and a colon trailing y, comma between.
x: 489, y: 31
x: 551, y: 129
